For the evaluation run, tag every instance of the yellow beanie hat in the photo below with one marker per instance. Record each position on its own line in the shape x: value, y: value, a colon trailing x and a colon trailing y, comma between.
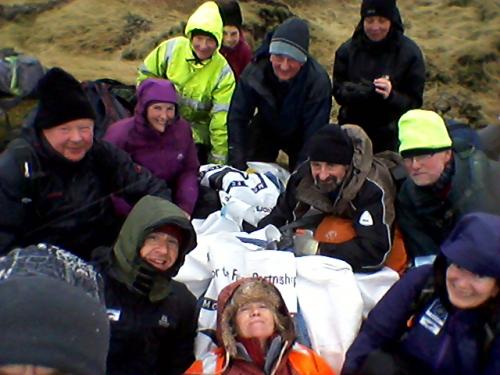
x: 422, y: 130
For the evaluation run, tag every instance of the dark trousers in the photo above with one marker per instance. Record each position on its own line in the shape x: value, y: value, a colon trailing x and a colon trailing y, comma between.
x: 264, y: 145
x: 383, y: 138
x: 202, y: 151
x: 208, y: 201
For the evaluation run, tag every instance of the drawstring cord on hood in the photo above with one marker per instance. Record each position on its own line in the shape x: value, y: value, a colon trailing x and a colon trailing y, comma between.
x: 280, y: 357
x: 196, y: 60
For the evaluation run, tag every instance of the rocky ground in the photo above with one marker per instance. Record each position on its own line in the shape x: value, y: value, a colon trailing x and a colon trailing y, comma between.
x: 95, y: 39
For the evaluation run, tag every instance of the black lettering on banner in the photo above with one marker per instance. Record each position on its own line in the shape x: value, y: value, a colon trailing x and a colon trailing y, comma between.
x: 262, y: 209
x: 209, y: 304
x: 236, y: 274
x: 208, y: 170
x: 237, y: 183
x: 260, y: 186
x: 277, y: 280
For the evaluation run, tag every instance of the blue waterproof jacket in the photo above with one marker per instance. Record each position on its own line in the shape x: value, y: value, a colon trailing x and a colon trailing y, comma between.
x: 447, y: 341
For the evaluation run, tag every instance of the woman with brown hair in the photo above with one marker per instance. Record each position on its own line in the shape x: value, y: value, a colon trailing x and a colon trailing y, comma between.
x: 256, y: 335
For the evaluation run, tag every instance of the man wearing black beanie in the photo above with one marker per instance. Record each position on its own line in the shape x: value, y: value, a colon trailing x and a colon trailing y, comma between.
x: 283, y: 96
x: 56, y: 180
x: 343, y: 193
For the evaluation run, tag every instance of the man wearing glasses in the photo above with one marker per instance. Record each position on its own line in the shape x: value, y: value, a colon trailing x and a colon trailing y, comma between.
x: 443, y: 184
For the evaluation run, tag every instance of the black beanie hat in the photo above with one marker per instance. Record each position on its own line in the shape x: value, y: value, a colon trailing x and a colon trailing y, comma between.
x: 203, y: 33
x: 331, y: 144
x: 230, y: 13
x: 47, y: 322
x: 61, y: 99
x: 383, y: 8
x: 291, y: 38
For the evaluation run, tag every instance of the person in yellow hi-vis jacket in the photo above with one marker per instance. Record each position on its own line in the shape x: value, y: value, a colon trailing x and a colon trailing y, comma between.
x: 202, y: 77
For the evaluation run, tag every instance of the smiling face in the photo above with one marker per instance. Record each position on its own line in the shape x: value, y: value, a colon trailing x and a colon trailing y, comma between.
x: 160, y: 250
x: 467, y: 290
x: 72, y: 139
x: 327, y: 176
x: 204, y: 46
x: 231, y: 36
x: 376, y: 28
x: 425, y: 170
x: 159, y: 115
x: 255, y: 320
x: 284, y: 67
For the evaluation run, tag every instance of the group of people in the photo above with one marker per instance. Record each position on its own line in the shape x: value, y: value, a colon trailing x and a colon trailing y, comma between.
x: 243, y: 108
x: 124, y: 203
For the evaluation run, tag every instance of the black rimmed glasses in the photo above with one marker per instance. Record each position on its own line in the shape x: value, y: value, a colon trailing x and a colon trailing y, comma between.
x: 417, y: 158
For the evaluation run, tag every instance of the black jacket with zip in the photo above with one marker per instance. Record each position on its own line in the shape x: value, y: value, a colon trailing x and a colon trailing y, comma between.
x: 47, y: 198
x: 290, y: 111
x: 366, y: 196
x: 358, y: 62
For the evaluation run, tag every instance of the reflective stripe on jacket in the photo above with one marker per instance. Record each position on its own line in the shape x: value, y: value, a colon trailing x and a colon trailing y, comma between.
x: 303, y: 360
x: 204, y: 88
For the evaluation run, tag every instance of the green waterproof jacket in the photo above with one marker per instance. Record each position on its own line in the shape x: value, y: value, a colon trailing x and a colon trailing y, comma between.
x: 147, y: 215
x: 205, y: 87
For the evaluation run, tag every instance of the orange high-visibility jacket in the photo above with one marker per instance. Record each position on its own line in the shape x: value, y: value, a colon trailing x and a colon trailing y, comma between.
x: 304, y: 361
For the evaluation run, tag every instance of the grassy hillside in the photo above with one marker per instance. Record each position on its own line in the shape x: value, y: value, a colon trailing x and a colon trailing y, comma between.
x: 95, y: 39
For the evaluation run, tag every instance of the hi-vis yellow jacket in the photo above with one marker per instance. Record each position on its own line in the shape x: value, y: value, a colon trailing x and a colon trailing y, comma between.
x: 204, y: 88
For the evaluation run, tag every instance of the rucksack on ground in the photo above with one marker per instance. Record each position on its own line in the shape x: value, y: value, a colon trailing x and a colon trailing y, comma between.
x: 111, y: 100
x: 19, y: 74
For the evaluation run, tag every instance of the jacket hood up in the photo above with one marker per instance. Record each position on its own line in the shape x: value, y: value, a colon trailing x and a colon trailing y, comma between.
x: 153, y: 90
x: 147, y: 215
x: 207, y: 18
x: 397, y: 29
x: 226, y: 311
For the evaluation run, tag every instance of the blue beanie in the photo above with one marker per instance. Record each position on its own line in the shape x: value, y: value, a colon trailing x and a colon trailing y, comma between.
x: 291, y: 38
x: 474, y: 244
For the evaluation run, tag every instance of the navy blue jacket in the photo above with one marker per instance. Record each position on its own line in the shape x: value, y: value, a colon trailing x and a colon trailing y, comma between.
x: 288, y: 114
x: 455, y: 350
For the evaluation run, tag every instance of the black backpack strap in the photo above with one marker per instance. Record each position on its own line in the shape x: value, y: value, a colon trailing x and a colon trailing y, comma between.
x: 423, y: 298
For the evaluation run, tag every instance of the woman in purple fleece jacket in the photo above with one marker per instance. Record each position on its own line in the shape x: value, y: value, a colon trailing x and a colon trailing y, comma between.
x: 453, y: 328
x: 159, y: 139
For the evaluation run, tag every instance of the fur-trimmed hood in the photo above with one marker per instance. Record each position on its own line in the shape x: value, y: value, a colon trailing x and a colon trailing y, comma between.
x: 256, y: 289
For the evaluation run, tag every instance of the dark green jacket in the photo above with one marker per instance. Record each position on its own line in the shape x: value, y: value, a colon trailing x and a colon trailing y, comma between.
x: 153, y: 318
x: 426, y: 219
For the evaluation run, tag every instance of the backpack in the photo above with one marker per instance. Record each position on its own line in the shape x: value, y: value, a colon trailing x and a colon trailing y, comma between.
x: 111, y: 100
x: 464, y: 137
x: 19, y: 74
